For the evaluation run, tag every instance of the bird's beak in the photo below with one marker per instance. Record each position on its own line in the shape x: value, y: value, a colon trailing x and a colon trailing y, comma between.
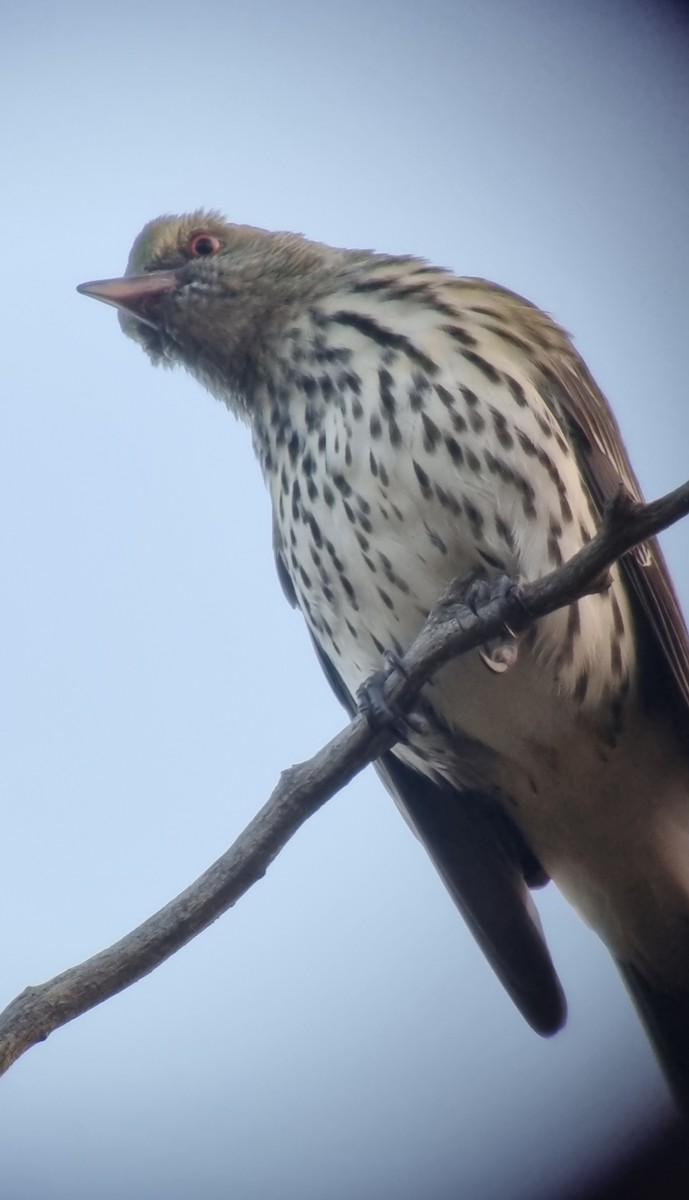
x: 138, y: 295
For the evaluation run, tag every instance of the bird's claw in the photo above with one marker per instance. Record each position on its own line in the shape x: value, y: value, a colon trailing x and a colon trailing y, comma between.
x: 499, y: 654
x: 377, y: 709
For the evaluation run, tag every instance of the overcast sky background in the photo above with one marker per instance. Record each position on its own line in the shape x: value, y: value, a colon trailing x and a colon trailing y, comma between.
x: 336, y: 1036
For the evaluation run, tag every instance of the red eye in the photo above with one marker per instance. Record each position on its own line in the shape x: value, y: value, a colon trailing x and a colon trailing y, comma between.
x: 202, y: 244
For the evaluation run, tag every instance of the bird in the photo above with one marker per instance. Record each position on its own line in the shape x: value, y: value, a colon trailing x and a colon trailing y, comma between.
x: 415, y: 427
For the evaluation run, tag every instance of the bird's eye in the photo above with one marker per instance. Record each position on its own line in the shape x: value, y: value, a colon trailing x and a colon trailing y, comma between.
x: 202, y: 244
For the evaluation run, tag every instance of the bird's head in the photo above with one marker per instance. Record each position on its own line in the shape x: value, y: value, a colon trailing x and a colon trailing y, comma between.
x: 212, y: 295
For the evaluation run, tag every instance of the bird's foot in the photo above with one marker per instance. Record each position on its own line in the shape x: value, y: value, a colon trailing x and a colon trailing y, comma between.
x: 499, y: 654
x: 377, y: 709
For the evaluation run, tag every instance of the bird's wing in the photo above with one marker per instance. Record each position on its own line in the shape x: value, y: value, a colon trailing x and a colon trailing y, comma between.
x: 483, y: 861
x: 606, y: 466
x: 476, y: 853
x: 568, y: 386
x: 603, y: 459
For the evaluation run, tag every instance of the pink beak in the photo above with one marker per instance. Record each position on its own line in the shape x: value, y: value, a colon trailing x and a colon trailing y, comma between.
x: 135, y: 294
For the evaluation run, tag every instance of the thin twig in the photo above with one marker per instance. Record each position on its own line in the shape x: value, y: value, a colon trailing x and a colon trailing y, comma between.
x: 304, y: 788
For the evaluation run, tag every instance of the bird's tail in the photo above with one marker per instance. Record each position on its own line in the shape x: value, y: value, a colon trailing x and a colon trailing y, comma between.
x: 666, y: 1018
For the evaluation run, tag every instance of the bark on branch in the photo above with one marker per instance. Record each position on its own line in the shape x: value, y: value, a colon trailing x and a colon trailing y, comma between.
x: 304, y: 788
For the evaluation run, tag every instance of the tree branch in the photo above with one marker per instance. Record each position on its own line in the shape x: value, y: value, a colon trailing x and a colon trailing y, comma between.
x: 304, y: 788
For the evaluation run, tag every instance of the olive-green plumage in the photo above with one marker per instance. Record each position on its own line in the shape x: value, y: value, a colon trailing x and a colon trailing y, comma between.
x: 413, y: 427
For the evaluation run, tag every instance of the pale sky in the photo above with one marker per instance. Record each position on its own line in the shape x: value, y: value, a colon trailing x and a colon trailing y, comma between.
x: 337, y: 1036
